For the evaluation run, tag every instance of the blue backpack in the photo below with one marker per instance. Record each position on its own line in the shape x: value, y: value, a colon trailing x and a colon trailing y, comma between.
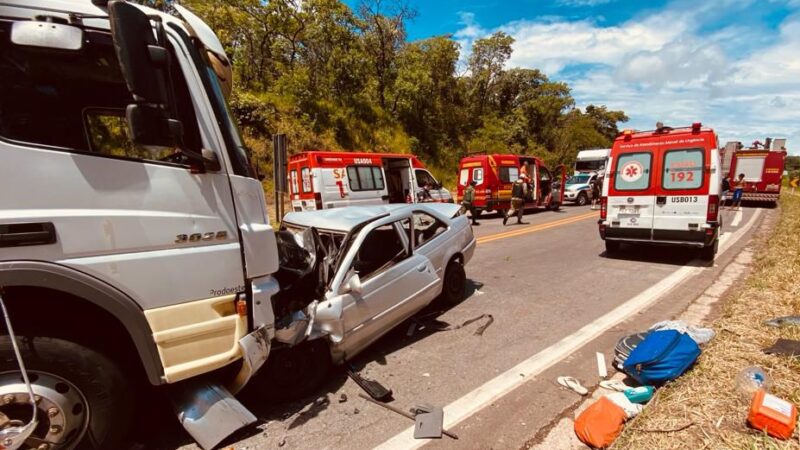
x: 662, y: 356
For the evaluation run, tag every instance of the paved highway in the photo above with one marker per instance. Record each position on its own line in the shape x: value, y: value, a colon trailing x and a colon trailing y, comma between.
x: 556, y: 299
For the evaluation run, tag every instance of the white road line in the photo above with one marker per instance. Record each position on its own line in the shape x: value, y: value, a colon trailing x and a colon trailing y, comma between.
x: 737, y: 218
x: 506, y: 382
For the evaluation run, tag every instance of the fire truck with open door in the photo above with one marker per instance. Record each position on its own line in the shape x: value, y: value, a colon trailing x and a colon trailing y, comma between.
x: 494, y: 174
x: 762, y: 166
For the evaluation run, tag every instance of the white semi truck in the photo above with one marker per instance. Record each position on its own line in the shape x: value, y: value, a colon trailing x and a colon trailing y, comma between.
x: 134, y: 240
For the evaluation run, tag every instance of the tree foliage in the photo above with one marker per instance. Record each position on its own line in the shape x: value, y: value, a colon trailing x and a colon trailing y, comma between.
x: 332, y: 77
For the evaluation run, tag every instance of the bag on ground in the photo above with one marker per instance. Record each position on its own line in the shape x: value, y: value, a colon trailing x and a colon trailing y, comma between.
x: 625, y: 346
x: 600, y: 424
x: 662, y: 356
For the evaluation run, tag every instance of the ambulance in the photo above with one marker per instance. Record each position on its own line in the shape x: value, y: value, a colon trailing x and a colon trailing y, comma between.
x: 663, y: 187
x: 322, y: 180
x: 493, y: 175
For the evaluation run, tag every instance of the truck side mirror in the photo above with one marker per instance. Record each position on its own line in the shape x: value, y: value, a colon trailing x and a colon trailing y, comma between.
x: 145, y: 62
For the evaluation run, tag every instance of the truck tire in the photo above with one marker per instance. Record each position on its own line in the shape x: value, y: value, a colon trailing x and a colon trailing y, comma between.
x: 582, y: 200
x: 292, y: 373
x: 612, y: 247
x: 454, y: 283
x: 92, y: 401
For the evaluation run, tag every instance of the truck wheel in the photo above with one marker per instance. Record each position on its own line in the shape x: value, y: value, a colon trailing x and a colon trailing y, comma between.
x: 454, y: 283
x: 294, y: 372
x: 85, y: 401
x: 611, y: 247
x: 708, y: 253
x: 582, y: 199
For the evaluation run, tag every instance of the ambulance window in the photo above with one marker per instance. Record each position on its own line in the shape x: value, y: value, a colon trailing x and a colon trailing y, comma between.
x: 293, y: 181
x: 509, y: 174
x: 424, y: 177
x: 463, y: 177
x: 305, y: 174
x: 477, y: 175
x: 633, y: 172
x: 365, y: 178
x: 683, y: 169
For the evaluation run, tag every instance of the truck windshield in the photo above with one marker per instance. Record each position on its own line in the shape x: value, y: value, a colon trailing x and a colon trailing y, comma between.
x: 233, y: 139
x: 590, y: 165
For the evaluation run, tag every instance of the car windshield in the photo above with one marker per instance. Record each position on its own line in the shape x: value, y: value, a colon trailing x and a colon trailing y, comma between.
x: 578, y: 179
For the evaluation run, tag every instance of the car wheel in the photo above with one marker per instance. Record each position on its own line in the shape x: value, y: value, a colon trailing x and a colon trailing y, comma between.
x: 292, y: 373
x: 454, y: 284
x: 612, y: 247
x: 708, y: 253
x: 582, y: 199
x: 85, y: 401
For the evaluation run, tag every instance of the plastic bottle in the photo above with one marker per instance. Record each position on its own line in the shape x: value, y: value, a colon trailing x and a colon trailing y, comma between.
x: 641, y: 394
x: 751, y: 379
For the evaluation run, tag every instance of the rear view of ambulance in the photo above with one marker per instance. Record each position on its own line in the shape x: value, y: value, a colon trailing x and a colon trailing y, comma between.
x: 663, y: 187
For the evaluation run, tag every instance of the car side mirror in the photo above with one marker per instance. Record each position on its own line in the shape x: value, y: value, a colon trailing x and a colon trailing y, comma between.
x: 353, y: 284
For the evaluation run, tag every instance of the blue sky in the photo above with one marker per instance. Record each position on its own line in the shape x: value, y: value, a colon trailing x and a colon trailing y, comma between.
x: 732, y: 64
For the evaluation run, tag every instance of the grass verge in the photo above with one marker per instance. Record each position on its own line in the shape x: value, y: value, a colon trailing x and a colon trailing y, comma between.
x: 703, y: 409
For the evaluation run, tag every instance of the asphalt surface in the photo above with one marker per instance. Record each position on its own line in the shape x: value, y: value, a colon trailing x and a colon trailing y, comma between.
x: 542, y: 282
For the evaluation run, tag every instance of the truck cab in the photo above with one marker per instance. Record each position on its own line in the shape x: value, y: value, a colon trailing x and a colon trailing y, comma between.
x: 663, y: 187
x: 134, y: 237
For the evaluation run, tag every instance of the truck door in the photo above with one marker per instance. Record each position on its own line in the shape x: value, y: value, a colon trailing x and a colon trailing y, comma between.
x: 682, y: 189
x: 631, y: 195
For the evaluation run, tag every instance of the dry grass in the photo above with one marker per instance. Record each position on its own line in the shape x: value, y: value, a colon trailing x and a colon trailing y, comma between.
x: 706, y: 397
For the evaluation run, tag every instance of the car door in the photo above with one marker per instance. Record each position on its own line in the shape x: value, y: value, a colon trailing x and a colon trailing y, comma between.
x: 631, y: 199
x: 395, y: 282
x: 367, y: 185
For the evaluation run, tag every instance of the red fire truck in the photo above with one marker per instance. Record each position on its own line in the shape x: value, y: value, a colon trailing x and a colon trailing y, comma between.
x: 762, y: 166
x: 493, y: 175
x: 319, y: 179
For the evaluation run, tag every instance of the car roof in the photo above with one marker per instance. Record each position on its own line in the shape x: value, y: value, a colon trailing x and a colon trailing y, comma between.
x: 345, y: 219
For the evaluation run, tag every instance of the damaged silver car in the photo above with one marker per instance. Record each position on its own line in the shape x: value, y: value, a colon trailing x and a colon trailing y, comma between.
x: 350, y: 275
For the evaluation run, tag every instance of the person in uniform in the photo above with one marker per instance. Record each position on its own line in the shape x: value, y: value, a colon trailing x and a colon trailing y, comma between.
x: 468, y: 200
x: 518, y: 189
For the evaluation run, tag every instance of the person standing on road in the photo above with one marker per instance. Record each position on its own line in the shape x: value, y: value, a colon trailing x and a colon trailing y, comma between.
x: 726, y: 187
x: 517, y: 200
x: 595, y: 189
x: 468, y: 200
x: 738, y: 190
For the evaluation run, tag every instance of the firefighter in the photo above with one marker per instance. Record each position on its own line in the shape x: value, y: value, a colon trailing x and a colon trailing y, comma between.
x: 517, y: 200
x: 468, y: 200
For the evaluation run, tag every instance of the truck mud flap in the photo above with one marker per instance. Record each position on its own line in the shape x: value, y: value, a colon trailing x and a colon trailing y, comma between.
x: 208, y: 411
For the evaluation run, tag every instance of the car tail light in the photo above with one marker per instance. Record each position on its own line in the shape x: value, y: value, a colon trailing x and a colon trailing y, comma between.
x: 713, y: 208
x: 318, y: 200
x: 603, y: 207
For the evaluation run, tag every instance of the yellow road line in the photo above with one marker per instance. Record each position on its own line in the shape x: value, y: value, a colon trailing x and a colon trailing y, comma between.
x: 535, y: 228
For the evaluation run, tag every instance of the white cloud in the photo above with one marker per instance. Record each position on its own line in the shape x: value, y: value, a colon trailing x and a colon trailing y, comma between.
x: 742, y: 80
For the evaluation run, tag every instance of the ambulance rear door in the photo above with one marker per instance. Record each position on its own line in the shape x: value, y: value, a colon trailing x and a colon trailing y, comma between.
x: 631, y: 192
x: 682, y: 193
